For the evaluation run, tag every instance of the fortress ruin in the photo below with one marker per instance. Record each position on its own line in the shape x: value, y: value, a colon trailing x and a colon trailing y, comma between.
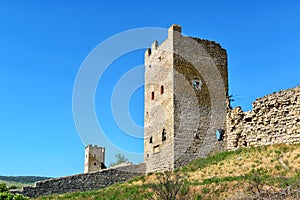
x: 178, y: 96
x: 188, y: 116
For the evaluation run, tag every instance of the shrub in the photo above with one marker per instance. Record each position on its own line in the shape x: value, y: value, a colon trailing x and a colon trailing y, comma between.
x: 5, y: 195
x: 20, y: 197
x: 170, y: 185
x: 3, y: 187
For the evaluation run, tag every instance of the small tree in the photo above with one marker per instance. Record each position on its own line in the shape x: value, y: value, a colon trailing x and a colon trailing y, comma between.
x: 169, y: 185
x: 120, y: 159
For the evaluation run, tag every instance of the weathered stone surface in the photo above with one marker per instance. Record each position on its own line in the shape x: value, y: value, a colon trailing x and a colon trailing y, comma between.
x: 84, y: 182
x: 177, y: 122
x: 274, y: 119
x: 94, y: 158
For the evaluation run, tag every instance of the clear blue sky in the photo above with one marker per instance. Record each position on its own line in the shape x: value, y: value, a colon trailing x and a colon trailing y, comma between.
x: 43, y: 43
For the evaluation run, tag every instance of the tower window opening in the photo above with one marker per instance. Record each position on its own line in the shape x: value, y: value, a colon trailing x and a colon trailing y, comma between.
x: 163, y: 135
x: 149, y: 51
x: 161, y: 89
x: 152, y: 96
x: 197, y: 84
x: 220, y: 134
x: 150, y: 141
x: 156, y: 149
x: 95, y: 163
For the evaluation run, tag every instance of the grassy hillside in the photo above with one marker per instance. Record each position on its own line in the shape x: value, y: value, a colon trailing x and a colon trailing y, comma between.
x: 260, y: 172
x: 20, y: 181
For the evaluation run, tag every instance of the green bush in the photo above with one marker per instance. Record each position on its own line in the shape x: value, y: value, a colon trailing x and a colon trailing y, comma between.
x: 3, y: 187
x: 9, y: 196
x: 20, y: 197
x: 5, y: 195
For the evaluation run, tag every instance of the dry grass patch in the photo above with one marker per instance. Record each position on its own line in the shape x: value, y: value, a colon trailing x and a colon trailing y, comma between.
x: 247, y: 161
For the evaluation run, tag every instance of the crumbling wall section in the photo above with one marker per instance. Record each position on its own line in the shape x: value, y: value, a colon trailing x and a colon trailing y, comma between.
x: 194, y: 131
x: 274, y: 119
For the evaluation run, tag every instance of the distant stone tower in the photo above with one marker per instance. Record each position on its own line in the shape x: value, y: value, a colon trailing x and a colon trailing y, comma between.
x: 180, y: 76
x: 94, y: 158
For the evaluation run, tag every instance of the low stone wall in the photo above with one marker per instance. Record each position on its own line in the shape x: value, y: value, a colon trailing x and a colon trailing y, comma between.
x: 84, y: 182
x: 274, y: 119
x: 132, y: 168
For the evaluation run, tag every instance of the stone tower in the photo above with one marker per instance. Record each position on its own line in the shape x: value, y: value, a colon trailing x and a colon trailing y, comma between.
x: 186, y: 86
x: 94, y: 158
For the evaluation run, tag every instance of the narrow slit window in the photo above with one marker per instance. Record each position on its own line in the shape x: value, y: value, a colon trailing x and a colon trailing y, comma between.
x: 152, y: 96
x: 150, y: 141
x: 161, y: 89
x: 163, y: 135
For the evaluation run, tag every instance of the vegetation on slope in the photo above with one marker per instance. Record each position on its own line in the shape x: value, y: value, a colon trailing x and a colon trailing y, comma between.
x: 23, y: 179
x: 6, y: 195
x: 14, y: 182
x: 270, y: 172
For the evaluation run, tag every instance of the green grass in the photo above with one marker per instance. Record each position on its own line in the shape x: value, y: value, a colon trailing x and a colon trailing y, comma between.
x: 218, y: 158
x: 212, y: 186
x: 119, y: 191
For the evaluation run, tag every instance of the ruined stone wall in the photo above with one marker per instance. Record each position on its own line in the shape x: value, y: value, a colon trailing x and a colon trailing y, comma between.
x: 274, y: 119
x: 84, y: 182
x: 194, y: 131
x: 159, y: 123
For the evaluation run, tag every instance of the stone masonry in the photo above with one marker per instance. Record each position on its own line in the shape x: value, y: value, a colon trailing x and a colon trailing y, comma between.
x: 84, y: 182
x: 178, y: 107
x: 274, y: 119
x: 94, y: 158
